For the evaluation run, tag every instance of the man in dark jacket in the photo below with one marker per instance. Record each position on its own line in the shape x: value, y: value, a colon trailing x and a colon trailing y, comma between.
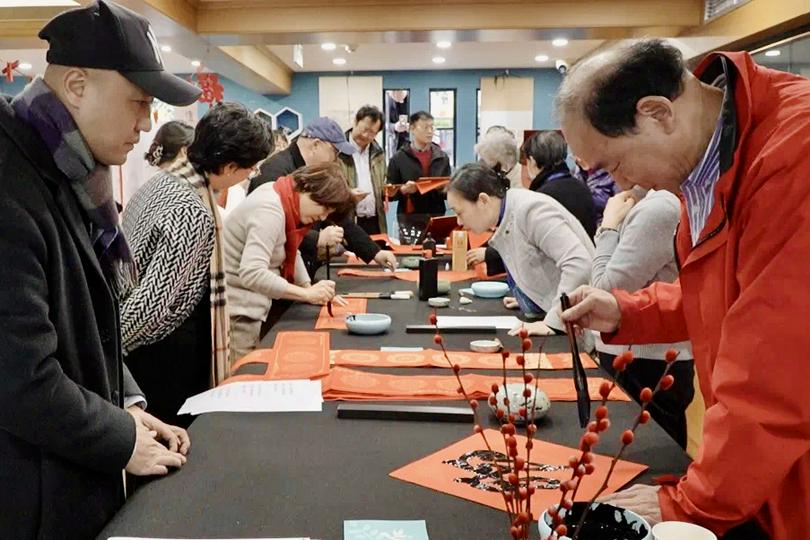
x: 320, y: 142
x: 421, y: 158
x: 70, y: 419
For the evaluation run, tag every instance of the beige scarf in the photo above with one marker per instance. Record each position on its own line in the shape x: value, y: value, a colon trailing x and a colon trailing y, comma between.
x: 220, y: 323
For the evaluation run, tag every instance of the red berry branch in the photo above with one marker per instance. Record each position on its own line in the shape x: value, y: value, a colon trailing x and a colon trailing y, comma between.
x: 517, y: 498
x: 601, y: 424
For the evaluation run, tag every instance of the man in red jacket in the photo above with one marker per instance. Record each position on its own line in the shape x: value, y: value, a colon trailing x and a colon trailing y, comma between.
x: 733, y: 139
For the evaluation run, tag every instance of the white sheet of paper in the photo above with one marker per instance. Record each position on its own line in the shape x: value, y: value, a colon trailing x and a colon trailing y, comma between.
x: 505, y: 322
x: 258, y: 396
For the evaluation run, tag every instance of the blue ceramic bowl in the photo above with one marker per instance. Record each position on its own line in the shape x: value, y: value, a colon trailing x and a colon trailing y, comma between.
x: 490, y: 289
x: 368, y: 324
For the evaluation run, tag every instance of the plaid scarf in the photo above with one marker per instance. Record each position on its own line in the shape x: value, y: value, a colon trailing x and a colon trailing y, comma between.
x: 220, y: 323
x: 91, y: 182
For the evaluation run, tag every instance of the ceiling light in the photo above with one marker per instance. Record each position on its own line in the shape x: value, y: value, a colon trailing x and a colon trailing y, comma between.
x: 541, y: 58
x: 25, y: 66
x: 438, y: 60
x: 165, y: 48
x: 560, y: 42
x: 338, y: 61
x: 328, y: 46
x: 195, y: 63
x: 773, y: 52
x: 444, y: 44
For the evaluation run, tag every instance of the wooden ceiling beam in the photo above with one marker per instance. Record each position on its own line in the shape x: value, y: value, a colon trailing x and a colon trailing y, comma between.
x: 263, y: 63
x: 408, y: 16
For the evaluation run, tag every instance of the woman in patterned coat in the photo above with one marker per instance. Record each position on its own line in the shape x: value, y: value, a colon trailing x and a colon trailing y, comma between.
x: 175, y: 319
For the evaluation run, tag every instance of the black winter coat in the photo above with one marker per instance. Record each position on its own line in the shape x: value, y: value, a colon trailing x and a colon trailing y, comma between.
x: 64, y: 437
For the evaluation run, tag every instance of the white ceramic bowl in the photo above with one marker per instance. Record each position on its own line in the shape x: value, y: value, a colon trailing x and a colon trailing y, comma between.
x: 678, y: 530
x: 490, y: 289
x: 486, y: 345
x: 636, y: 521
x: 368, y: 323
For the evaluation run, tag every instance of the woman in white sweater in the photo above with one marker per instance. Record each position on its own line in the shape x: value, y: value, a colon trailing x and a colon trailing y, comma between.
x: 261, y: 237
x: 545, y: 249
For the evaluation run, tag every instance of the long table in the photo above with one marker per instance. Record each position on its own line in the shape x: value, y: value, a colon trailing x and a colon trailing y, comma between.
x: 303, y: 474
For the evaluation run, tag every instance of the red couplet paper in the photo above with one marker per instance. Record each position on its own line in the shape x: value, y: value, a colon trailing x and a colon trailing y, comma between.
x: 465, y: 469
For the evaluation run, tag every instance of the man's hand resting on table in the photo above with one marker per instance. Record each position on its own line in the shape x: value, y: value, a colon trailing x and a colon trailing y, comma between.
x: 158, y: 445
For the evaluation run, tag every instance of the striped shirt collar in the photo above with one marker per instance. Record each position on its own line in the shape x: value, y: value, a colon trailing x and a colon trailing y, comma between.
x: 698, y: 189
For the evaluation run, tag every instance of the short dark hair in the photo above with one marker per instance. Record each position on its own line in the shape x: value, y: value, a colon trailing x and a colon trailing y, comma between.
x: 548, y: 148
x: 650, y: 67
x: 229, y: 133
x: 420, y: 115
x: 472, y: 179
x: 326, y: 185
x: 172, y: 137
x: 369, y: 111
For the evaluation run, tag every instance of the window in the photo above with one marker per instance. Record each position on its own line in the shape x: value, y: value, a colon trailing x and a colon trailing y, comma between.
x: 397, y: 102
x: 443, y: 109
x: 791, y: 54
x: 715, y: 8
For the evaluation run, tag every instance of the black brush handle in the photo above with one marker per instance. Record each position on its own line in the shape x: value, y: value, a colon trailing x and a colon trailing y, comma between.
x: 328, y: 277
x: 580, y: 379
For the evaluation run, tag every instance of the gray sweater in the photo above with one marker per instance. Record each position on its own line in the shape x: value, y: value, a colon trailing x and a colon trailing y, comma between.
x: 545, y: 249
x: 640, y: 253
x: 253, y: 239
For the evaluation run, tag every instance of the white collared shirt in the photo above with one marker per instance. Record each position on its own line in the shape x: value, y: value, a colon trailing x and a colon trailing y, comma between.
x: 362, y: 166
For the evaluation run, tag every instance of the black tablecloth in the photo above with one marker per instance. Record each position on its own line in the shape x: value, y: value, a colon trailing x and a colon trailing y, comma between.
x: 303, y: 474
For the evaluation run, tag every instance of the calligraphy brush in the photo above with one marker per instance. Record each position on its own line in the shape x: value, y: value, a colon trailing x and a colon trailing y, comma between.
x: 328, y: 276
x: 580, y: 380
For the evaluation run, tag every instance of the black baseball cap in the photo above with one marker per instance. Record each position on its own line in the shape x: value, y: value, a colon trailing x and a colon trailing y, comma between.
x: 104, y: 35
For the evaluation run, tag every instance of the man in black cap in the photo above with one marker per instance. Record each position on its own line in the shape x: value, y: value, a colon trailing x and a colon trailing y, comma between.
x: 320, y: 142
x: 71, y: 416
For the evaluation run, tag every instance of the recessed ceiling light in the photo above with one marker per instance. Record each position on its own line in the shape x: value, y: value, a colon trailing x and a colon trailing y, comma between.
x: 541, y: 58
x: 25, y: 66
x: 195, y: 63
x: 338, y: 61
x: 444, y: 44
x: 773, y: 52
x: 560, y: 42
x: 328, y: 46
x: 165, y: 48
x: 438, y: 60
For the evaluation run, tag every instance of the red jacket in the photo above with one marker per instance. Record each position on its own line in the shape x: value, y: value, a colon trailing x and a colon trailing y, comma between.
x: 743, y: 299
